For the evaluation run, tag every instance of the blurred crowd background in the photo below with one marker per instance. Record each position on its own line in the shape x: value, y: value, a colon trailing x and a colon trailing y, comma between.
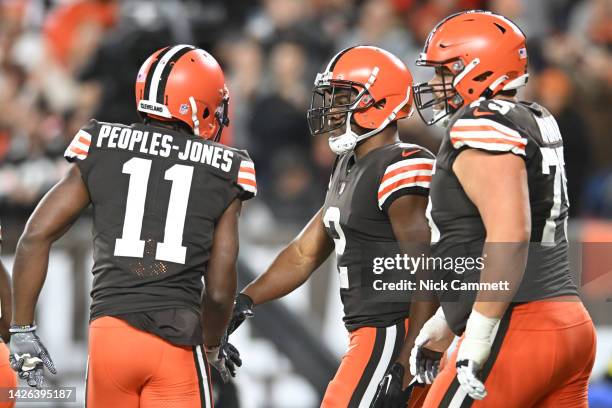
x: 65, y: 61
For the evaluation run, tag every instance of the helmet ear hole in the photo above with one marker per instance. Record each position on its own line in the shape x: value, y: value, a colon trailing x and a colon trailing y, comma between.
x: 380, y: 104
x: 483, y: 77
x: 206, y: 113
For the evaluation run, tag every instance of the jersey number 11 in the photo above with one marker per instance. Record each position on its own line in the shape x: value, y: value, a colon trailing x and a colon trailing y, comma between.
x: 130, y: 244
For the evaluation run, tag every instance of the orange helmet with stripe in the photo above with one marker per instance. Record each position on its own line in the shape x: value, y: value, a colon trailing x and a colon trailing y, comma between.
x: 184, y: 83
x: 484, y: 52
x: 363, y: 85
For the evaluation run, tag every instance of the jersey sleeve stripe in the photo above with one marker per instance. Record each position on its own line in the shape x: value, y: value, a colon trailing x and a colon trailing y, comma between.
x: 248, y: 185
x: 417, y: 181
x: 84, y: 140
x: 407, y: 168
x: 486, y: 123
x: 405, y: 182
x: 483, y: 129
x: 78, y: 151
x: 246, y: 176
x: 413, y: 172
x: 487, y: 135
x: 497, y: 145
x: 79, y: 147
x: 408, y: 162
x: 246, y: 181
x: 401, y: 176
x: 476, y: 130
x: 247, y: 170
x: 496, y: 140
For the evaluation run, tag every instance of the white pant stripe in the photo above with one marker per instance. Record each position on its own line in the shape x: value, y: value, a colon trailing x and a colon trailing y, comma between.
x: 381, y: 368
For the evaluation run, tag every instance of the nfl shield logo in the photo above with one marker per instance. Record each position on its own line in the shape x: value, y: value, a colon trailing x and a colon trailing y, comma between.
x: 183, y: 109
x: 523, y: 53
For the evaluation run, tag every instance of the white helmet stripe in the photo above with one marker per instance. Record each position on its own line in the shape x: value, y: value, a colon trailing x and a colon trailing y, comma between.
x: 156, y: 75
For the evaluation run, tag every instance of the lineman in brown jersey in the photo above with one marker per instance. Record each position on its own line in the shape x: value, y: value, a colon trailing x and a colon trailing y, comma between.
x: 377, y: 196
x: 499, y: 193
x: 166, y: 199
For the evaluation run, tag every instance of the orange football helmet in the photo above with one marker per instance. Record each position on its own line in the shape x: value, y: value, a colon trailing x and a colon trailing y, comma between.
x: 364, y: 85
x: 184, y: 83
x: 484, y: 52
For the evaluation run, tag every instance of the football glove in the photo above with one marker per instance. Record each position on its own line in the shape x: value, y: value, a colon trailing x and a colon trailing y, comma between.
x: 243, y: 309
x: 390, y: 393
x: 28, y: 356
x: 224, y: 358
x: 429, y: 347
x: 474, y: 352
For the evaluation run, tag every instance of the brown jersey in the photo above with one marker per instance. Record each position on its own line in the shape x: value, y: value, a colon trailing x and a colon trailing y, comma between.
x: 157, y: 194
x: 355, y: 216
x: 530, y: 132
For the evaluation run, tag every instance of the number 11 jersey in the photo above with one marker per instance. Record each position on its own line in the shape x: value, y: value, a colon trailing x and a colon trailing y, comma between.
x: 157, y: 194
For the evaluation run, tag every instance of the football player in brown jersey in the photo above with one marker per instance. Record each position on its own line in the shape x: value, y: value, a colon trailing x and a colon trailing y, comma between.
x: 166, y: 199
x: 376, y: 198
x: 498, y: 192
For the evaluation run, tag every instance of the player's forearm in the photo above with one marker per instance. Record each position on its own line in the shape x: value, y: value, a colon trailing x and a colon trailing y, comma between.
x: 216, y: 315
x: 29, y: 273
x: 420, y: 312
x: 289, y: 271
x: 423, y: 305
x: 218, y: 296
x: 504, y: 264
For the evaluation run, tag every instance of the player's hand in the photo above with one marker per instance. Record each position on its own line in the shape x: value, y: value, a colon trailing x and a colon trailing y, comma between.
x: 243, y: 309
x: 231, y: 355
x: 390, y: 393
x: 224, y: 358
x: 429, y: 347
x: 28, y: 356
x: 474, y: 352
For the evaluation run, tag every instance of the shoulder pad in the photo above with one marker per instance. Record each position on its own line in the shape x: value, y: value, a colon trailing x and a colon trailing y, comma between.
x: 485, y: 126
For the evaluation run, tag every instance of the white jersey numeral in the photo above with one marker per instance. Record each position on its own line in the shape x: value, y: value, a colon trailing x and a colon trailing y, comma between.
x: 331, y: 219
x: 500, y: 106
x: 553, y: 157
x: 172, y: 249
x: 435, y: 231
x: 130, y: 244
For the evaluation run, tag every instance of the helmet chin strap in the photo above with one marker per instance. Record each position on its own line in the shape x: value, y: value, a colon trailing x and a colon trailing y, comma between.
x: 347, y: 141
